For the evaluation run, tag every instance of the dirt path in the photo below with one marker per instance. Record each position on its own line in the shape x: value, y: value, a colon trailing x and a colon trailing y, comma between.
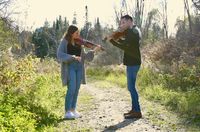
x: 107, y: 114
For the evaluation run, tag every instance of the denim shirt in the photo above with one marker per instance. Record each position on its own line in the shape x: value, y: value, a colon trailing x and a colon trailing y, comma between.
x: 65, y: 59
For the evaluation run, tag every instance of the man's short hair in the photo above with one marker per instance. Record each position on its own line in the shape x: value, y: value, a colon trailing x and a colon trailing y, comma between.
x: 127, y: 17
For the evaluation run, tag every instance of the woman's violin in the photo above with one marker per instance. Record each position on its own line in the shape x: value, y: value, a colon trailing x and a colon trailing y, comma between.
x: 87, y: 43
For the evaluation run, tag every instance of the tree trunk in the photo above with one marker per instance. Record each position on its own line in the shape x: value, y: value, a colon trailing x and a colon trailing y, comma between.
x: 166, y: 20
x: 139, y: 12
x: 188, y: 13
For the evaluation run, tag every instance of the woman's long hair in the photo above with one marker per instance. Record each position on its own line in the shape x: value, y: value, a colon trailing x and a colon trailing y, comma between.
x: 70, y: 31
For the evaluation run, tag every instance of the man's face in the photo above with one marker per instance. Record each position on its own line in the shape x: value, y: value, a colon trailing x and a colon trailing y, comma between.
x: 124, y: 24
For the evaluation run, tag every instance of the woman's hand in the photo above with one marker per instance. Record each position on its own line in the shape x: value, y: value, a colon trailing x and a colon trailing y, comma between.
x: 78, y: 58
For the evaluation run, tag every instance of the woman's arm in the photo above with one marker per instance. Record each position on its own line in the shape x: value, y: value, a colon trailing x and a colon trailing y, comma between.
x: 89, y: 56
x: 61, y: 55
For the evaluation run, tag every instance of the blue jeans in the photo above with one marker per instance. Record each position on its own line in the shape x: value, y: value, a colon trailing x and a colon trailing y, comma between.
x: 131, y: 80
x: 75, y: 77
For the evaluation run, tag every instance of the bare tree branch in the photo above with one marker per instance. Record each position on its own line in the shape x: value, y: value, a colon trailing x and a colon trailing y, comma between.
x: 196, y: 4
x: 5, y: 12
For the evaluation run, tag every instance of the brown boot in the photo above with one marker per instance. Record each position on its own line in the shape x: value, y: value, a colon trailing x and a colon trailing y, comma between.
x: 133, y: 115
x: 128, y: 112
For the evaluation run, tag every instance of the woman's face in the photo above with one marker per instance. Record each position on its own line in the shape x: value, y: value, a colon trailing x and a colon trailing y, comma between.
x: 76, y: 35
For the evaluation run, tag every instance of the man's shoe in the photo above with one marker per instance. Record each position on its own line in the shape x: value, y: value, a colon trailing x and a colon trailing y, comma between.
x: 128, y: 112
x: 133, y: 115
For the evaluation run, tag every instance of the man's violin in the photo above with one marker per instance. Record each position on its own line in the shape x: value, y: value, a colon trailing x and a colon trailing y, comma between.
x: 116, y: 35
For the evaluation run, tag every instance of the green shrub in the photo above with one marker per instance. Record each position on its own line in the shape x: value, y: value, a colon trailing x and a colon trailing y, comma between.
x: 186, y: 78
x: 26, y: 96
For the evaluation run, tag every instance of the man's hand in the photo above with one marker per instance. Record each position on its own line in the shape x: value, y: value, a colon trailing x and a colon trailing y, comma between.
x: 97, y: 48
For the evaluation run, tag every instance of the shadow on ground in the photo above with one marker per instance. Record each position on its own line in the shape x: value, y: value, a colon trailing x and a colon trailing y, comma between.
x: 120, y: 125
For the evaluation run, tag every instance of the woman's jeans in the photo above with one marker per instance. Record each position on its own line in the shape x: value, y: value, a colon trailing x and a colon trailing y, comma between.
x: 75, y: 77
x: 131, y: 79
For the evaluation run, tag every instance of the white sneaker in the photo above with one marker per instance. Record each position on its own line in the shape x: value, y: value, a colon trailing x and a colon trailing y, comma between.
x: 76, y: 114
x: 69, y: 115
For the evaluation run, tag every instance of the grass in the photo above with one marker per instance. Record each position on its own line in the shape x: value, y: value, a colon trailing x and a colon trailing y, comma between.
x: 85, y: 104
x: 113, y: 74
x: 52, y: 98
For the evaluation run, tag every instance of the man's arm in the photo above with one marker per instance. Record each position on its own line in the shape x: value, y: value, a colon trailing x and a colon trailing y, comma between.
x: 129, y: 44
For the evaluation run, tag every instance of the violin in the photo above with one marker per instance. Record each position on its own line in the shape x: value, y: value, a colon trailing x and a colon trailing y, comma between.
x: 87, y: 43
x: 116, y: 35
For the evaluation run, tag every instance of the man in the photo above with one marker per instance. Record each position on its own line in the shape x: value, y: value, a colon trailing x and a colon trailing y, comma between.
x: 132, y: 59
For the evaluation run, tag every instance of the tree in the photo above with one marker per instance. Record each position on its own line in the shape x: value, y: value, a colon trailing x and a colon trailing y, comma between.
x: 60, y: 22
x: 54, y: 25
x: 46, y: 24
x: 4, y: 4
x: 156, y: 32
x: 139, y: 12
x: 96, y: 34
x: 47, y: 38
x: 151, y: 19
x: 74, y: 22
x: 196, y: 25
x: 5, y: 13
x: 25, y: 40
x: 8, y: 37
x: 98, y: 29
x: 196, y: 4
x: 84, y: 32
x: 57, y: 25
x: 165, y: 19
x: 181, y: 29
x: 39, y: 39
x: 66, y: 25
x: 187, y: 8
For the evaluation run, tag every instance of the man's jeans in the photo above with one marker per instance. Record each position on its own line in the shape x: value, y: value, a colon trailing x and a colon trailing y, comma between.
x: 131, y: 79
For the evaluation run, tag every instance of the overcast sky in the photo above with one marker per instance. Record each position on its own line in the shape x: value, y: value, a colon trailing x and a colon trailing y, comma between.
x: 33, y: 13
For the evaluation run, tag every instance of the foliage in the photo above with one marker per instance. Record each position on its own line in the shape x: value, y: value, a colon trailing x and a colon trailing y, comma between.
x: 179, y: 92
x: 26, y: 96
x: 152, y: 31
x: 7, y: 36
x: 47, y: 38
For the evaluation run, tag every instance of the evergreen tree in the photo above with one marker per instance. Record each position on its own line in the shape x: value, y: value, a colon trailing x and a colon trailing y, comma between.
x: 85, y: 31
x: 74, y: 22
x: 66, y: 25
x: 54, y: 25
x: 46, y: 24
x: 60, y: 22
x: 47, y: 38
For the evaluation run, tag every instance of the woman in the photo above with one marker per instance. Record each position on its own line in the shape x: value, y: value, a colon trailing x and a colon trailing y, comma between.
x: 72, y: 56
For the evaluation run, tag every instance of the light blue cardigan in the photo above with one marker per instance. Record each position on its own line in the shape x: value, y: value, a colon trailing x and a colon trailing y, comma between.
x: 65, y: 59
